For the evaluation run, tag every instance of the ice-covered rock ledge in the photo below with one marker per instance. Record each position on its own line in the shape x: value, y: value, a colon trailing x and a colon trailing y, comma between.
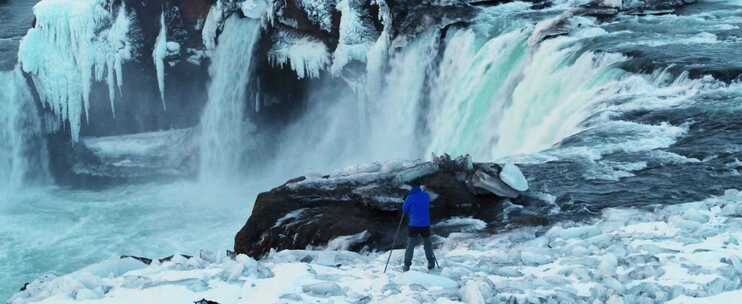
x: 686, y: 253
x: 362, y: 204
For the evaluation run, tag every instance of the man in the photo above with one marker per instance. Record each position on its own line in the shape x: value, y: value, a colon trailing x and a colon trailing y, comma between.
x: 417, y: 209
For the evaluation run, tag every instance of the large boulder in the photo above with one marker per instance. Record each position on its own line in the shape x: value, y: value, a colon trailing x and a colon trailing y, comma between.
x: 361, y: 207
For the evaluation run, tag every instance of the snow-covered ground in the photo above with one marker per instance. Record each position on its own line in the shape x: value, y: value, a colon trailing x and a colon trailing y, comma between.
x: 686, y: 253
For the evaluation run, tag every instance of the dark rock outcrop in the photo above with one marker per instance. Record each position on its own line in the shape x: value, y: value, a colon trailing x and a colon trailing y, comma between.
x: 363, y: 207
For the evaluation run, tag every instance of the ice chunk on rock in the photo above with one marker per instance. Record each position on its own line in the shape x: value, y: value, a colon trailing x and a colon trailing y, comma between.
x: 513, y: 177
x: 463, y: 224
x: 426, y: 280
x: 347, y: 241
x: 494, y: 185
x: 323, y: 289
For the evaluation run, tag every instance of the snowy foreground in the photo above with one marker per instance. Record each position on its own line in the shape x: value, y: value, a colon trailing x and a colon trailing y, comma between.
x: 687, y: 253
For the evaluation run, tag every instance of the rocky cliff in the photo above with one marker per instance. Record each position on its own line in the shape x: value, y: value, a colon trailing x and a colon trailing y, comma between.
x: 360, y: 209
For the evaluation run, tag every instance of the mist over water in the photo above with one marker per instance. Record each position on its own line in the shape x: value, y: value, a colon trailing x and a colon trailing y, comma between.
x: 23, y: 158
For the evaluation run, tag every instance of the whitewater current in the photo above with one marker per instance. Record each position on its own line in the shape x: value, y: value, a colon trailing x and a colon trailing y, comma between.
x: 574, y: 110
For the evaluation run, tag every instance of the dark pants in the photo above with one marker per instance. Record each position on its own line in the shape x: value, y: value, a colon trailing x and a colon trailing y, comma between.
x: 413, y: 236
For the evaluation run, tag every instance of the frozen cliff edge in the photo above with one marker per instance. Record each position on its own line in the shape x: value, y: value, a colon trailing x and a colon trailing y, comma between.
x: 684, y: 253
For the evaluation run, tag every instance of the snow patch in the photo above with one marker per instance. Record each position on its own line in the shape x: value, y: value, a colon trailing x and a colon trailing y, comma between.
x: 426, y: 280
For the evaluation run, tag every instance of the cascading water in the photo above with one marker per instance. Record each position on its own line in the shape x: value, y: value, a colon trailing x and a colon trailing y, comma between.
x: 21, y: 147
x: 222, y: 126
x: 490, y: 97
x: 506, y: 97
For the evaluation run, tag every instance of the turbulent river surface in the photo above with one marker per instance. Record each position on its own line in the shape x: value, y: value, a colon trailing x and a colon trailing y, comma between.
x: 636, y: 111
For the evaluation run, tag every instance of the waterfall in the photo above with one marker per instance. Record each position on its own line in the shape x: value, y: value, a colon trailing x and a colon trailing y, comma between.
x: 507, y: 97
x: 487, y: 96
x: 222, y: 126
x: 394, y: 115
x: 22, y: 152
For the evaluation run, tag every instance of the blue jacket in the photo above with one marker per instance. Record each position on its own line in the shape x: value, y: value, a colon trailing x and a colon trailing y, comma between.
x: 417, y: 208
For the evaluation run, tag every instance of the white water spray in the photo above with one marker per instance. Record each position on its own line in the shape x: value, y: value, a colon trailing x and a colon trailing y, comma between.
x: 19, y: 134
x: 222, y: 125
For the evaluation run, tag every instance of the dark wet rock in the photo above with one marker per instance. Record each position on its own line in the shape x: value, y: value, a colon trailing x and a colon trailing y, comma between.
x: 149, y: 261
x: 652, y: 6
x: 205, y: 301
x: 311, y: 211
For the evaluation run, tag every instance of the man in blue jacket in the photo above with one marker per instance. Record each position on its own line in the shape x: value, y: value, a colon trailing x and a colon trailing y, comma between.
x: 417, y: 209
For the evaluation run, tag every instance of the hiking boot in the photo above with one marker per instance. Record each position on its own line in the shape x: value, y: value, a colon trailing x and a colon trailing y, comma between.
x: 405, y: 268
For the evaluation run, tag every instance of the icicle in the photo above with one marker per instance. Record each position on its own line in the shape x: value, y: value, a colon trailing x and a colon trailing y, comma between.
x: 158, y: 54
x: 74, y: 44
x: 355, y: 38
x: 307, y: 56
x: 211, y: 26
x: 118, y: 36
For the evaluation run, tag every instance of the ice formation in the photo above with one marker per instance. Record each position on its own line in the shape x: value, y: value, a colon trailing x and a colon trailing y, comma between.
x: 211, y: 26
x: 319, y: 11
x: 254, y: 9
x: 347, y: 241
x: 513, y: 177
x: 378, y: 54
x: 685, y: 253
x: 307, y: 56
x: 74, y: 44
x: 355, y: 37
x: 158, y: 54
